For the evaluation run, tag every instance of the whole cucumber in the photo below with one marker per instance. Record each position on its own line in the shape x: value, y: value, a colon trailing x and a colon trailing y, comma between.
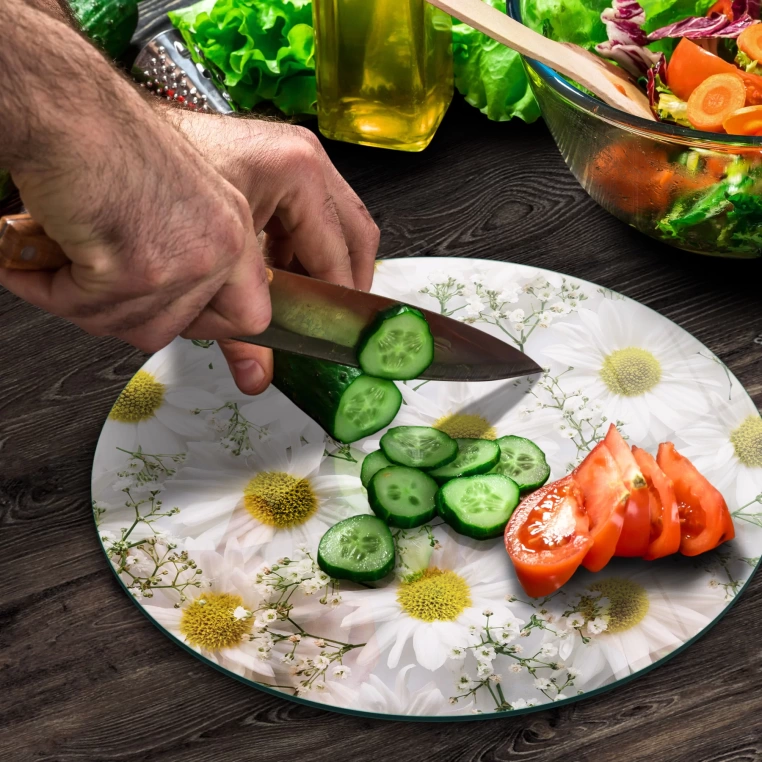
x: 110, y: 24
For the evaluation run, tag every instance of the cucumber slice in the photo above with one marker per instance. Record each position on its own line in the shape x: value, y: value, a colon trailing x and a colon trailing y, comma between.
x: 403, y: 497
x: 360, y: 549
x: 370, y: 464
x: 346, y: 403
x: 478, y: 506
x: 397, y: 345
x: 419, y: 447
x: 475, y: 456
x: 524, y: 462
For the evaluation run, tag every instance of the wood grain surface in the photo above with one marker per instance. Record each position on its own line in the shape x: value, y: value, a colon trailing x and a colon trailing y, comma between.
x: 85, y: 677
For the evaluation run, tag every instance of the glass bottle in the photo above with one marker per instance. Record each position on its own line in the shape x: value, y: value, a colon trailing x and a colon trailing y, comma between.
x: 384, y: 71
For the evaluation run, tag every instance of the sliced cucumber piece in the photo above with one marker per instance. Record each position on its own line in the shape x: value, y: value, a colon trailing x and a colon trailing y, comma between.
x: 419, y: 447
x: 524, y: 462
x: 346, y: 403
x: 370, y: 464
x: 403, y: 497
x: 397, y: 345
x: 478, y: 506
x: 475, y: 456
x: 360, y: 549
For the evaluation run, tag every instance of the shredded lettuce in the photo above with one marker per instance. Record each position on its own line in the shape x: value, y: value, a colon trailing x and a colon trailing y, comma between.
x: 491, y: 76
x: 746, y: 63
x: 728, y: 213
x: 262, y: 50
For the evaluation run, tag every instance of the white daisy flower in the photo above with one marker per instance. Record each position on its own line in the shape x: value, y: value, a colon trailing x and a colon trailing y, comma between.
x: 374, y: 695
x: 650, y: 378
x: 642, y: 618
x: 726, y: 446
x: 274, y: 497
x: 208, y: 624
x: 435, y: 609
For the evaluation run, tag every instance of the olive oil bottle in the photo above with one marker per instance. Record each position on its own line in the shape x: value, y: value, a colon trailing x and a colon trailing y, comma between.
x: 384, y: 71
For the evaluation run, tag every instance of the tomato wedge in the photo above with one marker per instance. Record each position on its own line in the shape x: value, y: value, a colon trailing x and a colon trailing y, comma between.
x: 605, y: 501
x: 636, y: 530
x: 705, y: 521
x: 548, y: 536
x: 664, y: 536
x: 691, y: 64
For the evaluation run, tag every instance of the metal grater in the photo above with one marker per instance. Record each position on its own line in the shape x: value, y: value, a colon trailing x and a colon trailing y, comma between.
x: 165, y: 67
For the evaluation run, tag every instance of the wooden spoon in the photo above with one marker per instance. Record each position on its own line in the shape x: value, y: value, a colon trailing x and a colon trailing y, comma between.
x: 610, y: 83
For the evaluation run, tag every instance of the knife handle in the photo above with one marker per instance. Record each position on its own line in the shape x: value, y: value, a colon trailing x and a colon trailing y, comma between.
x: 25, y: 246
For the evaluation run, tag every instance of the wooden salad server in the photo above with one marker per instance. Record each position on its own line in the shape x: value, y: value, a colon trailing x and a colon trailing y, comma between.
x: 609, y: 82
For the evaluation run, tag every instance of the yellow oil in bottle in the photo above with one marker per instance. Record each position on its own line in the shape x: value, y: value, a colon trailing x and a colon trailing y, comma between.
x: 384, y: 71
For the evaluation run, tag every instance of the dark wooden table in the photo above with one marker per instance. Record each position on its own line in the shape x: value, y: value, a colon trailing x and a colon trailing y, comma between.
x: 84, y: 676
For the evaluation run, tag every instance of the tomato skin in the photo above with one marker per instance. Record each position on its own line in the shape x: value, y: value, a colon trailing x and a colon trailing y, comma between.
x: 665, y: 517
x: 704, y: 517
x: 605, y: 501
x: 636, y: 530
x: 542, y: 569
x: 691, y: 64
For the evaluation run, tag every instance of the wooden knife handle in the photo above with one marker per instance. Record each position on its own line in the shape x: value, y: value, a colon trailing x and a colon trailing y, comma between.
x: 24, y: 245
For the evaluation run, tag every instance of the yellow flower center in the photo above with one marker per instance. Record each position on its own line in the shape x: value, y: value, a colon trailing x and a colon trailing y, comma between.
x: 466, y: 426
x: 209, y: 622
x: 279, y: 499
x: 139, y: 400
x: 747, y: 441
x: 434, y: 596
x: 630, y: 372
x: 628, y: 603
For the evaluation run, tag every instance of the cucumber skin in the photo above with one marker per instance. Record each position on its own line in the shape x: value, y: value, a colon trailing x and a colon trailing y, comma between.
x: 110, y: 24
x: 478, y: 471
x: 315, y: 386
x: 400, y: 522
x: 336, y: 573
x: 453, y: 520
x: 381, y: 318
x: 366, y: 482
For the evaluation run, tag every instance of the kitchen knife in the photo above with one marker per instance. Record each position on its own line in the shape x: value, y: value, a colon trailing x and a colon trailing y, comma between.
x: 314, y: 318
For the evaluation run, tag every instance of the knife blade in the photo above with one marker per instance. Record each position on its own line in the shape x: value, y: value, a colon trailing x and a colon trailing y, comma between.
x: 315, y: 318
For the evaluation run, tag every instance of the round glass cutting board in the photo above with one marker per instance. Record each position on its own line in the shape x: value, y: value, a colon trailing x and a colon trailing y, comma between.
x: 210, y: 506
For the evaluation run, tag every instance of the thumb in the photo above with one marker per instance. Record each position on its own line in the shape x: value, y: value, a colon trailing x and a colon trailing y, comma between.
x: 251, y: 366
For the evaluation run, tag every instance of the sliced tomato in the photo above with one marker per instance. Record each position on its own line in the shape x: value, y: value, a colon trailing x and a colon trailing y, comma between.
x: 691, y: 64
x: 605, y: 501
x: 725, y: 7
x: 548, y: 536
x: 664, y: 536
x: 705, y: 521
x: 636, y: 530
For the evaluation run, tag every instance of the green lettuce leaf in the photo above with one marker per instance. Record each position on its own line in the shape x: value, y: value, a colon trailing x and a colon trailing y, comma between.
x: 262, y: 50
x: 491, y: 76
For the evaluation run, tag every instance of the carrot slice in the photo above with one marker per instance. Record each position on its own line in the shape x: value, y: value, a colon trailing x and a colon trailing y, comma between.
x: 714, y: 100
x: 750, y: 41
x: 745, y: 121
x: 690, y: 65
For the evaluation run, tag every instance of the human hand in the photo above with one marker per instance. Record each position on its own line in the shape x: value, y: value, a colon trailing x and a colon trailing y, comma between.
x: 160, y: 242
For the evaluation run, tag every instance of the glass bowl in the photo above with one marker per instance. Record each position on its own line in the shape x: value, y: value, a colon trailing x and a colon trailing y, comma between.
x: 694, y: 190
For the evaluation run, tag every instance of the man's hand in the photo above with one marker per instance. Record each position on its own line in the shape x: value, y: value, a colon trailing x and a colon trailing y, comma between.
x: 161, y: 220
x: 313, y: 221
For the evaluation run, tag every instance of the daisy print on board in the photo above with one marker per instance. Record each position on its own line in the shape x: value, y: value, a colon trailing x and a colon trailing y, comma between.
x: 155, y: 411
x: 219, y: 621
x: 274, y: 497
x: 644, y: 372
x: 726, y: 446
x: 436, y: 609
x: 623, y: 622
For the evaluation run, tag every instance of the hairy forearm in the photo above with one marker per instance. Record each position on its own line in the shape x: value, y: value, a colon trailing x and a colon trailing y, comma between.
x: 58, y: 9
x: 58, y: 89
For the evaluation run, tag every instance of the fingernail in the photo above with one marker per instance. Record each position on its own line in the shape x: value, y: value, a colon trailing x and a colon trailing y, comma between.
x: 249, y: 374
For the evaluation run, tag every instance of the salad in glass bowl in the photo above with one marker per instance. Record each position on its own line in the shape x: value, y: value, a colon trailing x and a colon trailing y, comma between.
x: 692, y: 178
